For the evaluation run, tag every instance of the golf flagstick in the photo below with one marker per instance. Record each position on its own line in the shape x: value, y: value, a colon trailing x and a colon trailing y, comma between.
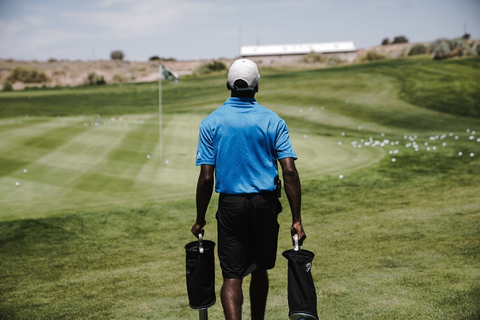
x: 160, y: 77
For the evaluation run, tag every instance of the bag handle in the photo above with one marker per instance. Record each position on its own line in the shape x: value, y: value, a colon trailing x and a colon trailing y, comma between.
x: 200, y: 241
x: 295, y: 240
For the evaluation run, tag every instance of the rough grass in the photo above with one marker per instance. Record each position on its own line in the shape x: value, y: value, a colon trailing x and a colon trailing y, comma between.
x: 393, y: 240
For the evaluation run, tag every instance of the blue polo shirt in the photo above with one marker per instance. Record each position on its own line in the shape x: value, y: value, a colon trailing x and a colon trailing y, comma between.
x: 243, y: 140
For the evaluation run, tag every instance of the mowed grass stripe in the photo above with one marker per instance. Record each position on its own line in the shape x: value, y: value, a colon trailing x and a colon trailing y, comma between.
x: 54, y: 176
x: 83, y: 174
x: 37, y: 134
x: 179, y: 148
x: 320, y: 156
x: 17, y: 124
x: 31, y: 141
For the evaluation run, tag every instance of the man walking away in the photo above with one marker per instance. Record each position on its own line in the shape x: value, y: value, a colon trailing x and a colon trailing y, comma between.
x: 239, y: 144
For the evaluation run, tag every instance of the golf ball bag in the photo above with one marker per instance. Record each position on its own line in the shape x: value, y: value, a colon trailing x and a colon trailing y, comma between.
x: 200, y: 271
x: 302, y: 297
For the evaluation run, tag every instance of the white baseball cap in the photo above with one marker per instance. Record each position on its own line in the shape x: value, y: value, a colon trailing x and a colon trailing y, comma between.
x: 246, y: 70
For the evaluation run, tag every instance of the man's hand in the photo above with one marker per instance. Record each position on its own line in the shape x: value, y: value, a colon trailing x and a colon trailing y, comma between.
x: 197, y: 228
x: 297, y: 228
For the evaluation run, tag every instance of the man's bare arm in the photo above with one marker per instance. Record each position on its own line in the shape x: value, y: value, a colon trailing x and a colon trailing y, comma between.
x: 204, y: 194
x: 294, y: 195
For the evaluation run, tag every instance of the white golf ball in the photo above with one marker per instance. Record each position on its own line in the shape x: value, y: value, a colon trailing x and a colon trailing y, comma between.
x: 343, y: 133
x: 17, y: 183
x: 359, y: 127
x: 305, y: 136
x: 148, y: 156
x: 460, y: 153
x: 25, y: 170
x: 339, y: 143
x: 393, y: 160
x: 341, y: 176
x: 472, y: 154
x: 471, y: 137
x: 478, y: 140
x: 167, y: 162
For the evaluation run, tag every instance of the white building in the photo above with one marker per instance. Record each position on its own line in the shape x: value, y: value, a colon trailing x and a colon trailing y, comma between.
x: 345, y: 50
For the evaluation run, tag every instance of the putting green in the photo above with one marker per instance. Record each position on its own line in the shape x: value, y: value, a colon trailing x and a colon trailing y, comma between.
x: 81, y: 163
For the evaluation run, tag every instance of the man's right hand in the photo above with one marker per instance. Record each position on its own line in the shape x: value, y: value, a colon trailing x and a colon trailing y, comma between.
x: 297, y: 228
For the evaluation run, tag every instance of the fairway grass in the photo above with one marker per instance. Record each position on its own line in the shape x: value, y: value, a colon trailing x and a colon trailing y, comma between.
x: 75, y: 163
x: 96, y: 229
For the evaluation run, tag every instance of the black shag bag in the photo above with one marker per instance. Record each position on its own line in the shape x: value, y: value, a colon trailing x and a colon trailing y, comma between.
x: 302, y: 297
x: 200, y: 271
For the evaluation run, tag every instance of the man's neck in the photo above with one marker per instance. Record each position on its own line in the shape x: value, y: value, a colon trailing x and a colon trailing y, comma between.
x: 243, y: 94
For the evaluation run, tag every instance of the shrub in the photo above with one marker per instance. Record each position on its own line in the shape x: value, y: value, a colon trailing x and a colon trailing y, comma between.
x: 417, y: 49
x: 476, y: 48
x: 100, y: 81
x: 211, y: 66
x: 154, y: 58
x: 52, y: 60
x: 385, y: 42
x: 93, y: 79
x: 313, y: 57
x: 434, y: 44
x: 459, y: 47
x: 116, y: 55
x: 333, y: 61
x: 27, y: 75
x: 7, y: 86
x: 444, y: 48
x: 400, y: 39
x: 440, y: 49
x: 118, y: 78
x: 373, y: 56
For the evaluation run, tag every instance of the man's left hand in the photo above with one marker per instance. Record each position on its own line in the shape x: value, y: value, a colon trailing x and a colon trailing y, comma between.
x: 197, y: 228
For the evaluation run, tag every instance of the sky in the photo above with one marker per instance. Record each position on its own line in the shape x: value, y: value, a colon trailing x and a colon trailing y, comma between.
x: 213, y: 29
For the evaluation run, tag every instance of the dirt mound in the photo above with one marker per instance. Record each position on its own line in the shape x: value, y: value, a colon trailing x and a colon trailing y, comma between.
x: 74, y: 73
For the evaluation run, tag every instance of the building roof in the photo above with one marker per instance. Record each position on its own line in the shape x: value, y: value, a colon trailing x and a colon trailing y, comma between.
x: 304, y: 48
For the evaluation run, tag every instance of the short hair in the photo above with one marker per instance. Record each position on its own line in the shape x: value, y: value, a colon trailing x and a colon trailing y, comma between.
x: 240, y: 84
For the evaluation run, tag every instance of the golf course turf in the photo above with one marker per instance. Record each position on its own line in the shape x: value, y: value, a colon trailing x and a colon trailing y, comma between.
x: 93, y: 221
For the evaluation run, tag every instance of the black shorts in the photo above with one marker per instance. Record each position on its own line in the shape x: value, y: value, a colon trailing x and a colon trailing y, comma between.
x: 247, y: 232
